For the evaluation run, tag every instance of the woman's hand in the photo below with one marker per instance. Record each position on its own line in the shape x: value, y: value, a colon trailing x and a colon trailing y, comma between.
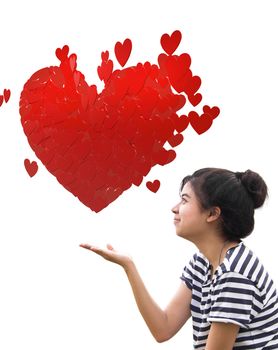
x: 109, y: 254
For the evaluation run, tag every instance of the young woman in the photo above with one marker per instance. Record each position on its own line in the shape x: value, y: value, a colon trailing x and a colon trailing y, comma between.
x: 224, y: 288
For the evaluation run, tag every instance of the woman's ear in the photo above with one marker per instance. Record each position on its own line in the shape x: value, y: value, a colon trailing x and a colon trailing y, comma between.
x: 214, y: 214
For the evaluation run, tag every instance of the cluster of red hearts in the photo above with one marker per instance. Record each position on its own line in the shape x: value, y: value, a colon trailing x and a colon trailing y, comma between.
x: 5, y: 97
x: 98, y: 144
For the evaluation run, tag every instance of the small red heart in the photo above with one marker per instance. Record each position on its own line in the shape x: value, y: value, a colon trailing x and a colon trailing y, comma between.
x: 105, y: 70
x: 105, y: 56
x: 76, y: 78
x: 175, y: 140
x: 72, y: 62
x: 177, y: 68
x: 181, y: 123
x: 193, y: 84
x: 164, y: 157
x: 137, y: 77
x: 170, y: 43
x: 153, y: 186
x: 122, y: 51
x: 62, y: 54
x: 7, y: 94
x: 31, y: 168
x: 200, y: 123
x: 1, y: 100
x: 195, y: 99
x: 212, y: 111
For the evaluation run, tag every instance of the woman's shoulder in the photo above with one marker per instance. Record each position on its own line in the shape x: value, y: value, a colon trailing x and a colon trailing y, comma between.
x: 242, y: 260
x: 243, y: 263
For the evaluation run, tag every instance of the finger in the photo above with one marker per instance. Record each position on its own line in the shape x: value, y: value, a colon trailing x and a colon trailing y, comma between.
x: 85, y: 245
x: 90, y: 247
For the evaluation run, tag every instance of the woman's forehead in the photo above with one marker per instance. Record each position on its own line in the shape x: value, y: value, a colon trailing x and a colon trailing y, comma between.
x: 187, y: 189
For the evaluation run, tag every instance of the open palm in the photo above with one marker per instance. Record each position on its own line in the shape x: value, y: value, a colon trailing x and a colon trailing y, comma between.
x: 109, y: 254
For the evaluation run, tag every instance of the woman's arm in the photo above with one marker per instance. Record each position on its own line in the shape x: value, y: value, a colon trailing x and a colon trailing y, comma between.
x: 222, y: 336
x: 163, y: 324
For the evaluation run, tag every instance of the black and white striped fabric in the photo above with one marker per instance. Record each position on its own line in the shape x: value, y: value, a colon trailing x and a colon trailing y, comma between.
x: 240, y: 292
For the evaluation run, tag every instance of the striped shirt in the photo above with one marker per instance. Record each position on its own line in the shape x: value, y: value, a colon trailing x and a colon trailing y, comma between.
x: 240, y: 292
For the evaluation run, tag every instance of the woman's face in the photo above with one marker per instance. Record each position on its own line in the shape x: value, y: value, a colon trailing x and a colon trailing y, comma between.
x: 190, y: 221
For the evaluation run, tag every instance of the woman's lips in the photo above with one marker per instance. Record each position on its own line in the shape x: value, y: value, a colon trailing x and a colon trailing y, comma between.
x: 176, y: 221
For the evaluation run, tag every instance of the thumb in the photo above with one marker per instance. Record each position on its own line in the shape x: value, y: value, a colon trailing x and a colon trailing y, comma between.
x: 109, y: 246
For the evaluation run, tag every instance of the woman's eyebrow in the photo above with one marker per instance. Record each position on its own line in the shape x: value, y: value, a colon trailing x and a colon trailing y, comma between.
x: 185, y: 195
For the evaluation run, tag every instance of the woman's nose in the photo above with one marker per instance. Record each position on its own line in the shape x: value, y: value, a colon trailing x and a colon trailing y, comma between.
x: 175, y: 209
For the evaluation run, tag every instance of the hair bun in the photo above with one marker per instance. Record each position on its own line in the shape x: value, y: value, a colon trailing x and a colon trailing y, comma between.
x: 255, y: 186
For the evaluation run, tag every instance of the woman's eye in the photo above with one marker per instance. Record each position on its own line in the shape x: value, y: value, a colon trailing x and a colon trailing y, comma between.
x: 183, y: 200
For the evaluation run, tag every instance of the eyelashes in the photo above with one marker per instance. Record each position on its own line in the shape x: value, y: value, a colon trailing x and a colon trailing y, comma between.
x: 183, y: 200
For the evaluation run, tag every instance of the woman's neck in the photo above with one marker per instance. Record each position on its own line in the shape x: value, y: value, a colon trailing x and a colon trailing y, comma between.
x: 215, y: 249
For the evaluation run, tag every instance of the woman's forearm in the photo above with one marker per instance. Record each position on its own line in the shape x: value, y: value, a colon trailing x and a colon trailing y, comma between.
x: 154, y: 316
x: 162, y: 324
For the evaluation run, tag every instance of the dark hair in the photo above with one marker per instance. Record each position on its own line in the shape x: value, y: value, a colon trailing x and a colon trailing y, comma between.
x: 237, y: 194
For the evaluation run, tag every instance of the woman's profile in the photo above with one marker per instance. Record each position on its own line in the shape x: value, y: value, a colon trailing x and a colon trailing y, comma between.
x: 224, y: 288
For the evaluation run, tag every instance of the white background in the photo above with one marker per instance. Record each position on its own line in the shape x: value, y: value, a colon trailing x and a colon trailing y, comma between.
x: 55, y: 295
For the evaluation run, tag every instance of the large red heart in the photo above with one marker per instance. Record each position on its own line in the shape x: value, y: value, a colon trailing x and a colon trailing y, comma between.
x: 98, y: 144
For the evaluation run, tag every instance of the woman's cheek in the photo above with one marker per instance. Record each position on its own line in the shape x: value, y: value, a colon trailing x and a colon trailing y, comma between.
x: 183, y: 212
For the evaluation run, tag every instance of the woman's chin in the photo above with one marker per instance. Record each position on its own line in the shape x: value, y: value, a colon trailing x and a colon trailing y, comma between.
x: 183, y: 234
x: 180, y: 233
